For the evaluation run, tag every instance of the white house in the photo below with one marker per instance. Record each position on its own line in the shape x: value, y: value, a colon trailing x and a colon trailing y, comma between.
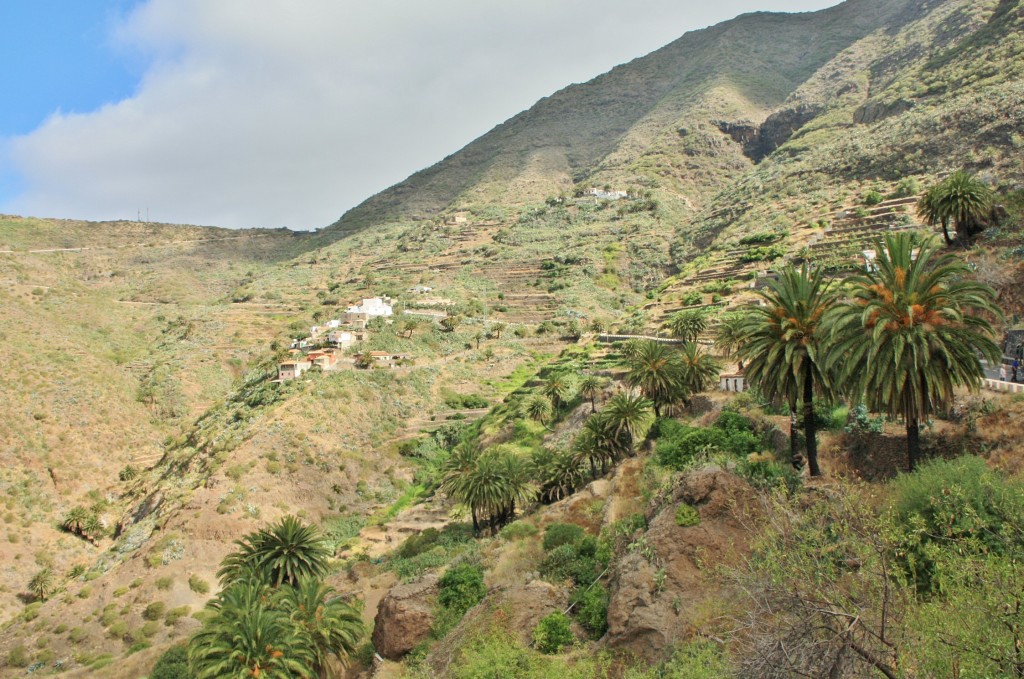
x: 341, y: 338
x: 373, y: 307
x: 731, y: 382
x: 333, y: 323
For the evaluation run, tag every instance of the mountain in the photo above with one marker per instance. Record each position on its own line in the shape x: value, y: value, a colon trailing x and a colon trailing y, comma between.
x: 144, y: 353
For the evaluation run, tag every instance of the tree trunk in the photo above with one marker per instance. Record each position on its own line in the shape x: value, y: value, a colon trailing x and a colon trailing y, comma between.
x: 913, y: 442
x: 794, y: 452
x: 810, y: 427
x: 945, y: 232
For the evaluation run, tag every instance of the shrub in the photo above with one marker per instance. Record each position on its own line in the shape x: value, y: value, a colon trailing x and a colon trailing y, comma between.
x: 164, y: 583
x: 872, y: 197
x: 173, y: 664
x: 150, y: 628
x: 686, y: 516
x: 767, y: 474
x: 558, y: 534
x: 176, y: 614
x: 77, y: 635
x: 128, y: 473
x: 552, y: 633
x: 590, y: 606
x: 518, y: 530
x: 958, y: 501
x: 418, y: 543
x: 198, y: 585
x: 461, y: 587
x: 154, y: 611
x: 578, y: 563
x: 18, y: 657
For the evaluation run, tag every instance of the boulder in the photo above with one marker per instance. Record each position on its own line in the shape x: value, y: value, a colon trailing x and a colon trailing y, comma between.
x: 404, y: 617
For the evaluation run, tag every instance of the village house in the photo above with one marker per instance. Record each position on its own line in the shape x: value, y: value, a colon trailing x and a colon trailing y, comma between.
x: 606, y: 195
x: 420, y: 289
x: 289, y: 370
x: 325, y: 359
x: 373, y: 307
x: 299, y: 344
x: 346, y: 338
x: 333, y: 323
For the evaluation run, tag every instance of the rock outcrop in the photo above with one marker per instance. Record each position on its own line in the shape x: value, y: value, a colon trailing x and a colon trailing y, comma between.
x: 661, y: 594
x: 404, y: 617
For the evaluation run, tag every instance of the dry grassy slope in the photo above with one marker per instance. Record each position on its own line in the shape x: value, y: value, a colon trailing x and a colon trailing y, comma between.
x: 79, y: 332
x: 759, y: 59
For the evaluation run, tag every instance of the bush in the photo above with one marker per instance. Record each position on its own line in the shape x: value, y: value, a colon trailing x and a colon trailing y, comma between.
x: 164, y: 583
x: 872, y: 197
x: 958, y: 501
x: 686, y: 516
x: 18, y: 657
x: 552, y: 633
x: 590, y: 606
x: 558, y: 534
x: 578, y: 563
x: 461, y: 587
x: 765, y: 473
x: 198, y: 585
x: 173, y: 664
x: 518, y: 531
x: 154, y: 611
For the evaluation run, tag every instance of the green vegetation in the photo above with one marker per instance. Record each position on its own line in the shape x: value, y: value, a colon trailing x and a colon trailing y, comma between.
x: 552, y: 633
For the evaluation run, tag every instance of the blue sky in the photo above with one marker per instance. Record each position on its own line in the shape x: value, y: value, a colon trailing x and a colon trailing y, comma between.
x: 281, y: 113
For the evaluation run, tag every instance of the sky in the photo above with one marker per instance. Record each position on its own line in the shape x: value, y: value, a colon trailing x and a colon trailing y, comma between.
x: 268, y: 113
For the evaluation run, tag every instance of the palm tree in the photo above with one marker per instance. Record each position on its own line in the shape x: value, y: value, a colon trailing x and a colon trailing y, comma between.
x: 628, y: 415
x: 76, y: 520
x: 907, y: 338
x: 591, y: 387
x: 687, y: 324
x: 249, y: 637
x: 558, y: 473
x: 597, y: 445
x: 332, y: 625
x: 558, y: 387
x: 283, y: 553
x: 497, y: 329
x: 450, y: 323
x: 41, y: 584
x: 538, y: 408
x: 961, y: 198
x: 785, y: 346
x: 729, y: 334
x: 657, y: 370
x: 700, y: 370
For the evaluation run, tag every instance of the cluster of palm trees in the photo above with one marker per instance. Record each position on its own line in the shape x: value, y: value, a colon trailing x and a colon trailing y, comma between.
x: 275, y: 617
x: 669, y: 374
x: 899, y: 339
x: 493, y: 482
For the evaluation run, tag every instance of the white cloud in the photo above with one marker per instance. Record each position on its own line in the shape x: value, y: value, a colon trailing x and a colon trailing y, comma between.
x: 275, y: 112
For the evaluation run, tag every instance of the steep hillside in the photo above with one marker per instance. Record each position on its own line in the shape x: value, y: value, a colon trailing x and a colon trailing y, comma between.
x: 632, y: 123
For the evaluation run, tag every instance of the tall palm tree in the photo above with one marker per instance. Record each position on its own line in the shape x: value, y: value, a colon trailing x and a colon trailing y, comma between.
x: 629, y: 415
x: 687, y: 324
x: 700, y: 369
x: 590, y: 388
x: 597, y: 445
x: 249, y: 637
x: 785, y: 346
x: 333, y: 627
x: 657, y: 370
x: 283, y: 553
x: 960, y: 198
x: 910, y: 334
